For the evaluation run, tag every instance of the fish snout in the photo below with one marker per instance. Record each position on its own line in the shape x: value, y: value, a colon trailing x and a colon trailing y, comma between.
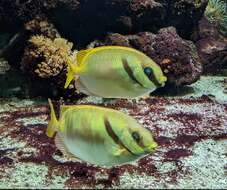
x: 162, y: 80
x: 152, y: 147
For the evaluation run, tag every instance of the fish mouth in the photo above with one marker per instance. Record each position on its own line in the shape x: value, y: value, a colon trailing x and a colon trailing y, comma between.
x: 152, y: 147
x: 162, y: 80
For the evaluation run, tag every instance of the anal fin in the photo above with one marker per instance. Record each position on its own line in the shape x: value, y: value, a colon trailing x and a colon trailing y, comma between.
x: 61, y: 146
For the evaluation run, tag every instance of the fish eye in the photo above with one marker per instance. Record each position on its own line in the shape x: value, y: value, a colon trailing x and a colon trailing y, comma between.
x: 136, y: 136
x: 148, y: 71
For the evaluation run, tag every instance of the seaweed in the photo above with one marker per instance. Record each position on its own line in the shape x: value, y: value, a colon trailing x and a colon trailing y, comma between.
x: 216, y: 12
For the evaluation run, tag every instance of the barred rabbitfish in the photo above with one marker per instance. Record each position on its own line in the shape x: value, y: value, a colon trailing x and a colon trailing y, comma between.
x: 99, y: 135
x: 114, y: 72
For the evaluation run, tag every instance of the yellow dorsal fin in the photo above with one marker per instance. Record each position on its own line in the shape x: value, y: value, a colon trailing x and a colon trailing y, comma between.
x: 65, y: 108
x: 53, y: 123
x: 81, y: 54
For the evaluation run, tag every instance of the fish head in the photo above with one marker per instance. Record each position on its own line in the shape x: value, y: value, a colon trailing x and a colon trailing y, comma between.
x: 139, y: 140
x: 153, y: 73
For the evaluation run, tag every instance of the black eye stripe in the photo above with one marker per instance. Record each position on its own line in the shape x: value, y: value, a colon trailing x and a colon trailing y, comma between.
x: 114, y: 136
x: 138, y: 139
x: 150, y: 74
x: 148, y: 71
x: 136, y: 136
x: 129, y: 71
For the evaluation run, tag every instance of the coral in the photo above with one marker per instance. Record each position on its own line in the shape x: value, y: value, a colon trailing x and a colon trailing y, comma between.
x: 41, y: 26
x: 44, y: 57
x: 216, y: 11
x: 45, y: 62
x: 177, y: 57
x: 14, y: 50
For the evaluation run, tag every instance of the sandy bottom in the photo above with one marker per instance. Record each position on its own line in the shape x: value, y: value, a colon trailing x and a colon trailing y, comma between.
x: 190, y: 128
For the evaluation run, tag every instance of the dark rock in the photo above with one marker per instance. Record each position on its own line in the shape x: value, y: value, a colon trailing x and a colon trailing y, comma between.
x: 177, y: 57
x: 185, y: 15
x: 207, y: 29
x: 126, y: 17
x: 211, y: 46
x: 213, y: 54
x: 117, y: 39
x: 90, y: 19
x: 16, y: 13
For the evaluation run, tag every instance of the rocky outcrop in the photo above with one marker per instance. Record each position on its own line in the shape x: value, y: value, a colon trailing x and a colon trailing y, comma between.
x: 177, y: 57
x: 212, y: 47
x: 121, y: 16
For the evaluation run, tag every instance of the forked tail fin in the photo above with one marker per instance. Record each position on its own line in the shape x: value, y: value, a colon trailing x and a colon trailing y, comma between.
x: 53, y: 123
x: 73, y: 69
x: 70, y: 75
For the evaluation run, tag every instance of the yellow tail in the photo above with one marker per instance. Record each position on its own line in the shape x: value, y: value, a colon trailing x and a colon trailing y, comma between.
x: 72, y: 70
x: 70, y: 76
x: 53, y: 123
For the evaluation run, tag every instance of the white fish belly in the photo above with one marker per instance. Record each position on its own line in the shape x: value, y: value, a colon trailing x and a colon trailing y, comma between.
x: 88, y: 152
x: 112, y: 88
x: 95, y: 153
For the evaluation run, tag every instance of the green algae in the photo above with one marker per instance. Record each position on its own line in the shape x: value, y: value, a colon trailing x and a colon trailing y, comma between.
x: 216, y: 12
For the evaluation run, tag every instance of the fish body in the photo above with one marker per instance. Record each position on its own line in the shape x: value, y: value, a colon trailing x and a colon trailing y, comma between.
x: 100, y: 136
x: 115, y: 72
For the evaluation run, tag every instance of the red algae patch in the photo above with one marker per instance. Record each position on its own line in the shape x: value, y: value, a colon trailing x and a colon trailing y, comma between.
x: 186, y: 130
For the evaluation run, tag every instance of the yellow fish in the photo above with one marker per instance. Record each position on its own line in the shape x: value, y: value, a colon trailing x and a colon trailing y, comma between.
x: 99, y: 135
x: 115, y: 72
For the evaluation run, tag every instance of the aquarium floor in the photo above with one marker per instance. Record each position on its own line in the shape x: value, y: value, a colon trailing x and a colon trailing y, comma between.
x: 190, y: 128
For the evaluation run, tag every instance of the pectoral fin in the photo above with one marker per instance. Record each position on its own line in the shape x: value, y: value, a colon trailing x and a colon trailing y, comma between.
x: 115, y: 150
x: 120, y: 152
x: 60, y: 145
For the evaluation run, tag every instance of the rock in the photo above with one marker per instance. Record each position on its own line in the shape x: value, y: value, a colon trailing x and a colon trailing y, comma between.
x: 177, y: 57
x: 90, y: 19
x: 211, y: 46
x: 115, y: 39
x: 213, y: 54
x: 127, y: 16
